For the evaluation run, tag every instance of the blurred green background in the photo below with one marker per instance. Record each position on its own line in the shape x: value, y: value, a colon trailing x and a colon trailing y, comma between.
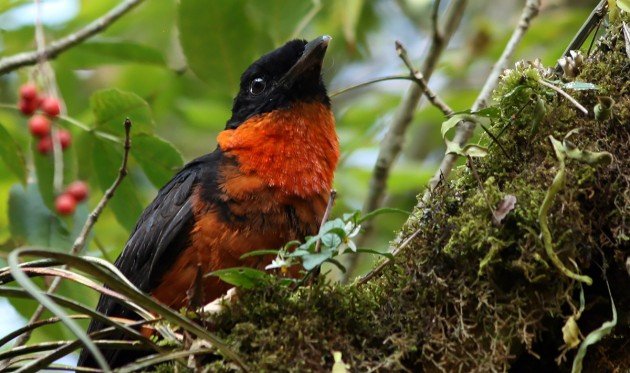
x: 184, y: 60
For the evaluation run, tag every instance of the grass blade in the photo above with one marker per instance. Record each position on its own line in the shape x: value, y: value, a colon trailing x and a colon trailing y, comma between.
x: 53, y: 307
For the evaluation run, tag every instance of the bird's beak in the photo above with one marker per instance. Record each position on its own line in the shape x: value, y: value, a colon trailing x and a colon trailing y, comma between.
x: 310, y: 62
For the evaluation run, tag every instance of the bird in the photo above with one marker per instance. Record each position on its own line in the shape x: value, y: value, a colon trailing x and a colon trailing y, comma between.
x: 267, y: 183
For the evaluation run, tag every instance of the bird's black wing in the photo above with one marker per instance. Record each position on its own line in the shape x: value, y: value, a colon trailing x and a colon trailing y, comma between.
x: 161, y: 234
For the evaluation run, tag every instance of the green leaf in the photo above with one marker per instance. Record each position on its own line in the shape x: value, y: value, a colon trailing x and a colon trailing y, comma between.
x: 31, y: 222
x: 624, y: 5
x: 591, y: 158
x: 158, y: 158
x: 11, y: 155
x: 96, y: 53
x: 351, y: 15
x: 216, y: 38
x: 310, y: 261
x: 451, y: 123
x: 277, y: 18
x: 307, y: 246
x: 112, y: 106
x: 7, y: 5
x: 467, y: 150
x: 260, y: 253
x: 595, y: 336
x: 351, y: 216
x: 580, y: 86
x: 332, y: 224
x: 243, y: 277
x: 389, y: 256
x: 125, y: 204
x: 333, y: 238
x: 475, y: 150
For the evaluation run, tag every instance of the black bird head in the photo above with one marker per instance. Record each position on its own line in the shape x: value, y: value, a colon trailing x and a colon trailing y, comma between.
x: 286, y: 75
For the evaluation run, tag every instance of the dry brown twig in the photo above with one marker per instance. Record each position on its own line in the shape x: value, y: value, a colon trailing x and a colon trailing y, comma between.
x: 10, y: 63
x: 417, y: 77
x: 79, y: 242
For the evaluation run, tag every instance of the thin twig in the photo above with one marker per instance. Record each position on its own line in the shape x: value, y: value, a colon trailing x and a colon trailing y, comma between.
x: 79, y: 242
x: 466, y: 129
x: 566, y: 95
x: 329, y: 206
x: 392, y: 144
x: 590, y: 45
x: 419, y: 79
x: 372, y: 81
x: 57, y: 47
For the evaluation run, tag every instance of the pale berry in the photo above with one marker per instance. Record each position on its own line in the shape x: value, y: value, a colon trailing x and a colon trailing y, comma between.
x: 78, y: 190
x: 65, y: 204
x: 39, y: 126
x: 28, y: 92
x: 65, y: 138
x: 45, y: 145
x: 50, y: 106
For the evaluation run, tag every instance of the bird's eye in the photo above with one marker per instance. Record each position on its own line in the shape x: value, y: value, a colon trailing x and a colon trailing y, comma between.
x: 257, y: 86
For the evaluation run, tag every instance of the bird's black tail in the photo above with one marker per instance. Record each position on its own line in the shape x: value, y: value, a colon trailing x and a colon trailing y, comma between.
x: 115, y: 357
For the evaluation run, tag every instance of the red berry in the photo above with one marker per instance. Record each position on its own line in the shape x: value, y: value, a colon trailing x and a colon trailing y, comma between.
x: 27, y: 107
x: 78, y: 190
x: 45, y: 145
x: 50, y: 106
x: 65, y: 138
x: 39, y: 126
x: 28, y: 92
x: 65, y: 204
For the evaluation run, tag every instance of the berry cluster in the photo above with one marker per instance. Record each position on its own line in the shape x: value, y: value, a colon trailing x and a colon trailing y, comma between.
x: 40, y: 124
x: 66, y: 202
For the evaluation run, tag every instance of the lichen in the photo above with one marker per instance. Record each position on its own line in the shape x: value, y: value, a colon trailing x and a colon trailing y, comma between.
x: 467, y: 294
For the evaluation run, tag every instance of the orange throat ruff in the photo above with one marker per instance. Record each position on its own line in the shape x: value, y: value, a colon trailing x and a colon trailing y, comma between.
x: 294, y: 149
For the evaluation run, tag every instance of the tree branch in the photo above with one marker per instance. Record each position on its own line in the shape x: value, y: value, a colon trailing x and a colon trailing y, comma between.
x: 79, y: 242
x: 55, y: 48
x: 417, y: 77
x: 392, y: 144
x: 465, y: 129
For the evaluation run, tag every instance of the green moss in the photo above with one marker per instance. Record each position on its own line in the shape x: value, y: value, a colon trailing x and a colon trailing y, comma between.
x: 467, y: 294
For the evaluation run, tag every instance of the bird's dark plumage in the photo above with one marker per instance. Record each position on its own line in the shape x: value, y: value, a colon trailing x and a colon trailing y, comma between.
x: 267, y: 183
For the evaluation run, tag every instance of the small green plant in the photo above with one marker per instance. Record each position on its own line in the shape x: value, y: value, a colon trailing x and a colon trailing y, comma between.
x: 335, y: 237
